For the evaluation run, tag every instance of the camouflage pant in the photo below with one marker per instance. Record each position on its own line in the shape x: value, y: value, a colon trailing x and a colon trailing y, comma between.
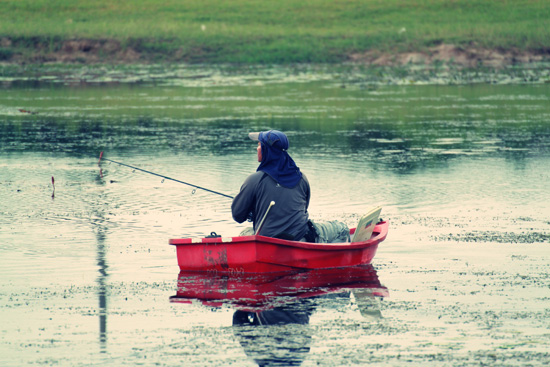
x: 331, y: 232
x: 327, y: 232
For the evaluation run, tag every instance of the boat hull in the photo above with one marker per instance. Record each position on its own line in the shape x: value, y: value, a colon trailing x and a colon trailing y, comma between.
x: 259, y: 254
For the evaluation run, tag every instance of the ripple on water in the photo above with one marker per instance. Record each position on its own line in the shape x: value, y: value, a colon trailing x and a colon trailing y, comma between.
x: 467, y: 232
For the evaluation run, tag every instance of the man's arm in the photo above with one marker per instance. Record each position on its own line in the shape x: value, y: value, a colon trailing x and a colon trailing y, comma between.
x: 243, y: 203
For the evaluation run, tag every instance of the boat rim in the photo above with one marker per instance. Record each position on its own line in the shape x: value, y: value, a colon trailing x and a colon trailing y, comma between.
x: 379, y: 234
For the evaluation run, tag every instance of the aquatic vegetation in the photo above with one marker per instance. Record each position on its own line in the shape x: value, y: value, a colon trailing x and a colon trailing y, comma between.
x: 343, y: 76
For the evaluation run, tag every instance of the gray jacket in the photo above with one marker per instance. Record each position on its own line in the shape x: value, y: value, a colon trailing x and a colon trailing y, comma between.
x: 289, y: 215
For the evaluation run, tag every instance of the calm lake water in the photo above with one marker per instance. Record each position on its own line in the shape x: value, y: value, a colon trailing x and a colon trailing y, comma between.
x: 461, y: 171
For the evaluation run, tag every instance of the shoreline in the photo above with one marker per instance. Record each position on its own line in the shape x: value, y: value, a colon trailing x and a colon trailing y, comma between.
x: 110, y: 51
x: 108, y: 61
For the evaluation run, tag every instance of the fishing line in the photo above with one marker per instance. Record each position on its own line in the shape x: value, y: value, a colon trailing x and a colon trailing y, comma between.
x: 162, y: 176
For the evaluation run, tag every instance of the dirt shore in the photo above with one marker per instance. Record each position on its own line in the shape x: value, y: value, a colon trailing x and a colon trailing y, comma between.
x: 451, y: 54
x: 92, y: 51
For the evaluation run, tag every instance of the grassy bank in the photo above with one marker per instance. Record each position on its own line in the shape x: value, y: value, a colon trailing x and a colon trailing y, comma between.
x: 252, y: 31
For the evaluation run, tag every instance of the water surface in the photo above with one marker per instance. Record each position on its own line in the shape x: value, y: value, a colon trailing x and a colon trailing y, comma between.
x: 461, y: 173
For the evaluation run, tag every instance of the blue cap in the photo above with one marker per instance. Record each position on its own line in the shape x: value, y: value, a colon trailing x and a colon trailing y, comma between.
x: 273, y: 138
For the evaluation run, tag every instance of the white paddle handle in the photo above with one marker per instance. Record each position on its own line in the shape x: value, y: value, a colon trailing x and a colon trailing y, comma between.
x: 263, y: 219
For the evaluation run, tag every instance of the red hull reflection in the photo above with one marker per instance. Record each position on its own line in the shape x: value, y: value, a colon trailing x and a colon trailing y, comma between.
x: 264, y: 291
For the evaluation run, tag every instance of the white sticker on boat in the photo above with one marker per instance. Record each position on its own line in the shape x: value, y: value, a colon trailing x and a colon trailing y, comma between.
x: 227, y: 239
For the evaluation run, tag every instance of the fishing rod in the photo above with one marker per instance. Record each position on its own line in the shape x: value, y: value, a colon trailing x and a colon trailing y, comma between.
x: 159, y: 175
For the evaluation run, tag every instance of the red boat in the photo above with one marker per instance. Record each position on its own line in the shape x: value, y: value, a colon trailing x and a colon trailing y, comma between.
x: 255, y: 292
x: 259, y: 254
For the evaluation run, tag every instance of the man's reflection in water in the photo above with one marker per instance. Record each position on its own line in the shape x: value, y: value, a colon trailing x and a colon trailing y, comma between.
x: 282, y: 336
x: 277, y: 337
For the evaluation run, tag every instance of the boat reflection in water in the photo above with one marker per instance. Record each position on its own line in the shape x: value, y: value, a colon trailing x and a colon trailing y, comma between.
x: 272, y: 312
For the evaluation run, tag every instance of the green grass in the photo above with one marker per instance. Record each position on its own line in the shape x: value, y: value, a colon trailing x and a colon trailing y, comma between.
x: 282, y: 31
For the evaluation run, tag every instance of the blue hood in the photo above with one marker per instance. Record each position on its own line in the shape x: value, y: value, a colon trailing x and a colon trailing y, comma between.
x: 276, y: 162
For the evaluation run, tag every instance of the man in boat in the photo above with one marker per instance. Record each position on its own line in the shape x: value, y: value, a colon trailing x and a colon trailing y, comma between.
x: 278, y: 179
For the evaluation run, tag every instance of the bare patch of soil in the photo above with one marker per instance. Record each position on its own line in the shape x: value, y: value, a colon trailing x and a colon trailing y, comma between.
x: 93, y: 51
x: 85, y: 51
x: 467, y: 57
